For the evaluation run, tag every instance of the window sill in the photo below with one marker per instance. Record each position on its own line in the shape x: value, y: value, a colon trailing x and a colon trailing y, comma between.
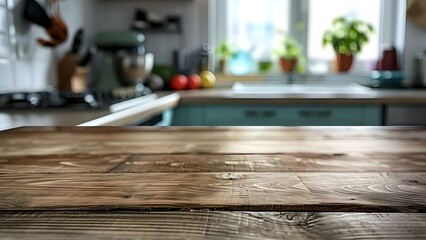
x: 294, y: 76
x: 225, y: 80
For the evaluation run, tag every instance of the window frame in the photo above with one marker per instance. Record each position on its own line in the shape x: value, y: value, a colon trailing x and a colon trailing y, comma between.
x: 391, y: 32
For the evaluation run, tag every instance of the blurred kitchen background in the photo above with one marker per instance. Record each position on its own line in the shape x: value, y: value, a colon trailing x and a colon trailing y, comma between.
x: 247, y: 25
x: 27, y: 65
x: 89, y: 51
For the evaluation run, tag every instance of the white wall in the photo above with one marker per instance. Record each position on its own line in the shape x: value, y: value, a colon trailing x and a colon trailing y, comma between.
x: 79, y: 14
x: 25, y: 60
x: 415, y: 41
x: 5, y: 65
x: 31, y: 67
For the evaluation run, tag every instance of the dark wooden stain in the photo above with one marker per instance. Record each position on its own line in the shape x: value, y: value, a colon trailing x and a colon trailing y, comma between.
x: 217, y: 183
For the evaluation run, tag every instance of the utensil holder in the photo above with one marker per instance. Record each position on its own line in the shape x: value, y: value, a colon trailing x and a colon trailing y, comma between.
x: 66, y: 69
x: 71, y: 77
x: 79, y: 79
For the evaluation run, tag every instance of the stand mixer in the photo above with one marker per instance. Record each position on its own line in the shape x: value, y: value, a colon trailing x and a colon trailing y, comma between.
x: 123, y: 61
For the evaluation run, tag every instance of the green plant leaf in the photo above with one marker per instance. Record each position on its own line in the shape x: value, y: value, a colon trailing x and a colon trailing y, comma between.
x: 225, y: 50
x: 290, y: 48
x: 346, y: 36
x: 339, y: 20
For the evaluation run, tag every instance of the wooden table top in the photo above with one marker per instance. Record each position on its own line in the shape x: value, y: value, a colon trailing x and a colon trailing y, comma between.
x: 191, y: 183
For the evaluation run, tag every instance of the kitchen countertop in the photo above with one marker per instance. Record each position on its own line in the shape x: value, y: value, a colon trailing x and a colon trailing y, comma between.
x: 373, y: 96
x: 65, y: 117
x: 187, y: 183
x: 13, y: 118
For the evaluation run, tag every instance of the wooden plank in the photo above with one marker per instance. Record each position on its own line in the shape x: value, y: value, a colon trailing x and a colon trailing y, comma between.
x: 61, y: 163
x: 210, y: 225
x: 274, y: 163
x: 213, y: 133
x: 122, y: 141
x: 392, y: 189
x: 318, y: 170
x: 380, y: 192
x: 113, y: 147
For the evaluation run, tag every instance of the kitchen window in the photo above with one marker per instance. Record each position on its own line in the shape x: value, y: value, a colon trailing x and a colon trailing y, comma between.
x: 253, y: 26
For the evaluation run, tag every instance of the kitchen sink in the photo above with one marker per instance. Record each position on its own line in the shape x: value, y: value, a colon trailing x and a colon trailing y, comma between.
x: 280, y: 88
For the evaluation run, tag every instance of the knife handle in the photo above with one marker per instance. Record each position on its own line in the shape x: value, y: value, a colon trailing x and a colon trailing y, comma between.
x: 78, y: 39
x: 86, y: 60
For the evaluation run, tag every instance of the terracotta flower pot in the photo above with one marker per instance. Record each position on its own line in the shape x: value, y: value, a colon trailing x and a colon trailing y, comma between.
x: 288, y: 65
x: 343, y: 62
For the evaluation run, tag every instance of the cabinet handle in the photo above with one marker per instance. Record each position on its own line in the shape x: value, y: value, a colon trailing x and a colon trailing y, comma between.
x: 251, y: 113
x: 260, y: 114
x: 324, y: 114
x: 269, y: 114
x: 306, y: 113
x: 317, y: 114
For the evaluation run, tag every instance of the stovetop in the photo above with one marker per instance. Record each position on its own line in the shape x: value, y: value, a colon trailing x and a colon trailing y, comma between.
x: 95, y: 99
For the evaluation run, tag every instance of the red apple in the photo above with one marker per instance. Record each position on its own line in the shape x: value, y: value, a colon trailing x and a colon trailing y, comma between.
x: 194, y: 81
x: 179, y: 82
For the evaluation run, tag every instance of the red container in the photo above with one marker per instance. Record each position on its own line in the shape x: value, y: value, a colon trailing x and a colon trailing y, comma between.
x: 389, y: 61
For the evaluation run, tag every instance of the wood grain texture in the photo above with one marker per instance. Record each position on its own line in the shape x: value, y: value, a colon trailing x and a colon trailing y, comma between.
x: 380, y: 192
x: 123, y: 141
x: 61, y: 164
x: 324, y: 174
x: 215, y: 133
x: 274, y: 163
x: 210, y: 225
x: 114, y: 147
x: 213, y: 163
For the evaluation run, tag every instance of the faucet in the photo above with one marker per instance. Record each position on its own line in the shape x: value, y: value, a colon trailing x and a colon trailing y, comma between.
x: 290, y: 78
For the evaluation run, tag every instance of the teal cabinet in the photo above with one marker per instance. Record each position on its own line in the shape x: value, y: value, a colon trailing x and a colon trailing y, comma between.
x: 276, y: 115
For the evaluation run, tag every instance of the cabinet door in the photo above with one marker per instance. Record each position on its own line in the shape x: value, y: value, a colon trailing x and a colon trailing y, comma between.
x: 293, y: 116
x: 406, y: 116
x: 272, y: 115
x: 190, y: 115
x: 333, y: 116
x: 243, y: 116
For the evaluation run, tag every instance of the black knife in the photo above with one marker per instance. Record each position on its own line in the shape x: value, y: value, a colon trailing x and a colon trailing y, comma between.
x: 78, y: 40
x: 86, y: 60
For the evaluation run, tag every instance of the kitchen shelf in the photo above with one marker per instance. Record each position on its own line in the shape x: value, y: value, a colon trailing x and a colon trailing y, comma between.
x: 177, y: 32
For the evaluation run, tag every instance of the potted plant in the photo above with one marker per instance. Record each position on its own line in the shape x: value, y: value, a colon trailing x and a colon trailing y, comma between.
x: 290, y: 53
x: 224, y: 52
x: 348, y: 37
